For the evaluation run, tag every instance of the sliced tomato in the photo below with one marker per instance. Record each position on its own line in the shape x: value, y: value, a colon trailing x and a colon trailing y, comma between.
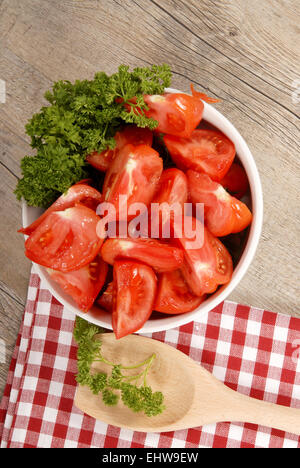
x: 134, y: 174
x: 78, y: 193
x: 133, y: 297
x: 134, y: 135
x: 174, y: 295
x: 172, y: 191
x: 242, y: 215
x: 205, y: 151
x: 87, y: 181
x: 224, y: 214
x: 101, y: 161
x: 161, y: 257
x: 177, y: 114
x: 172, y: 187
x: 130, y: 134
x: 65, y: 240
x: 106, y: 299
x: 206, y: 267
x: 236, y: 181
x: 83, y: 285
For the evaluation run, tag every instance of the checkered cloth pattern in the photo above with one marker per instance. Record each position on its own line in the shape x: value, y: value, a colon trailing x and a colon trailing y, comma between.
x: 253, y: 351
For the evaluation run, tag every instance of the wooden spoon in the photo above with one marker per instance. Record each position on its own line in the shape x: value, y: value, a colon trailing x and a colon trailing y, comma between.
x: 193, y: 397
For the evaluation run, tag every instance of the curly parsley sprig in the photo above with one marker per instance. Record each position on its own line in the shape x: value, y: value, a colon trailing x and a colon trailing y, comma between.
x: 132, y: 389
x: 83, y: 117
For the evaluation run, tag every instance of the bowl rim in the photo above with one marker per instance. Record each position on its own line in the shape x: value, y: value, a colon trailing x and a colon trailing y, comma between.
x: 214, y: 117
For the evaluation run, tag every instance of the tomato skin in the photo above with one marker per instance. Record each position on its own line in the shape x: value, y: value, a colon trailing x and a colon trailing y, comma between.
x: 236, y: 181
x: 134, y: 287
x: 161, y: 257
x: 173, y: 190
x: 204, y: 268
x: 106, y: 299
x: 134, y: 135
x: 83, y: 285
x: 129, y: 134
x: 205, y: 151
x: 65, y: 240
x: 78, y: 193
x: 101, y: 161
x: 224, y: 214
x: 177, y: 114
x: 173, y: 187
x: 133, y: 169
x: 242, y: 215
x: 174, y: 296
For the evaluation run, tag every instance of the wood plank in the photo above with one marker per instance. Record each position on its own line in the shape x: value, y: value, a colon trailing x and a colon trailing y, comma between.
x: 11, y: 313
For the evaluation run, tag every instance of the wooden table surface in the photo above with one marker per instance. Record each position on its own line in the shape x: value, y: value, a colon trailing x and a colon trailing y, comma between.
x: 245, y: 52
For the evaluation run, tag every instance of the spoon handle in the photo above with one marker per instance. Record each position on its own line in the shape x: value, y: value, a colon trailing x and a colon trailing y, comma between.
x: 246, y: 409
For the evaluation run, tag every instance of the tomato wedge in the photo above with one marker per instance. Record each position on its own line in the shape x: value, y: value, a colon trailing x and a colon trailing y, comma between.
x: 83, y: 285
x: 106, y: 299
x: 177, y: 114
x: 65, y: 240
x: 161, y: 257
x: 172, y: 187
x: 134, y: 174
x: 224, y: 214
x: 172, y: 191
x: 205, y: 151
x: 236, y: 181
x: 206, y: 267
x: 82, y: 193
x: 130, y: 134
x: 174, y: 295
x: 134, y: 294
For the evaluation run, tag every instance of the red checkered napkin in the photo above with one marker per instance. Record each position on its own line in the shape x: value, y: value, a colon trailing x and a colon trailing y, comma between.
x: 253, y: 351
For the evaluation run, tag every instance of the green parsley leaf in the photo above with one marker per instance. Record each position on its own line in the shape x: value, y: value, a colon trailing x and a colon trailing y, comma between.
x: 117, y: 385
x: 83, y: 117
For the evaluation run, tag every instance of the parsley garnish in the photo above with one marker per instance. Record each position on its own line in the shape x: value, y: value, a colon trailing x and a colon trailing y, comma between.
x: 137, y: 396
x: 83, y: 117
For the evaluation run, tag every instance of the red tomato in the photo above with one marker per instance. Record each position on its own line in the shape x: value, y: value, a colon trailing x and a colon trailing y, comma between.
x: 177, y: 114
x: 173, y: 190
x: 242, y: 215
x: 135, y: 173
x: 134, y: 135
x: 161, y: 257
x: 65, y: 240
x: 172, y: 187
x: 101, y: 161
x: 83, y: 285
x: 236, y: 181
x: 106, y: 300
x: 205, y: 151
x: 206, y: 267
x: 224, y: 214
x: 88, y: 181
x: 174, y: 295
x: 203, y: 96
x: 82, y: 193
x: 130, y: 134
x: 133, y: 298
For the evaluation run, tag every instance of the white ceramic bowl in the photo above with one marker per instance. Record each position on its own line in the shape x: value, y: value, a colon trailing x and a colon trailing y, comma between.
x: 103, y: 319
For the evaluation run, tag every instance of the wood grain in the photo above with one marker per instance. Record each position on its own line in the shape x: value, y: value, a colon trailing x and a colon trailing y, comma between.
x: 246, y: 52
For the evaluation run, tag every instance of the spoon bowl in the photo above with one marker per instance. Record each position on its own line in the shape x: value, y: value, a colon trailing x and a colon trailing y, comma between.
x: 192, y: 396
